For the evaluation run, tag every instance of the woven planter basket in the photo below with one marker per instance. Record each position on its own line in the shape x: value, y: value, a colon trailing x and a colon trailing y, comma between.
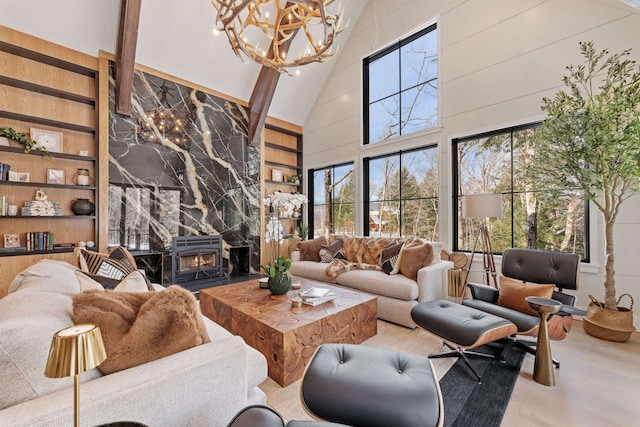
x: 609, y: 324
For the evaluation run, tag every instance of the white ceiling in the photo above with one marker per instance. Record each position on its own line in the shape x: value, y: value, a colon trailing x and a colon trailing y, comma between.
x: 174, y: 37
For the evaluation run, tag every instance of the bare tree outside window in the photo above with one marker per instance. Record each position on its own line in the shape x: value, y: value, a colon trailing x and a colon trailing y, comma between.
x: 333, y: 201
x: 401, y: 85
x: 534, y: 216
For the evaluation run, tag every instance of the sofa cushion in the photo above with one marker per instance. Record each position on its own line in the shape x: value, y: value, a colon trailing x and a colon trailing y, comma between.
x: 143, y: 326
x: 379, y: 283
x: 414, y: 257
x: 311, y: 270
x: 37, y: 306
x: 513, y: 293
x: 310, y: 249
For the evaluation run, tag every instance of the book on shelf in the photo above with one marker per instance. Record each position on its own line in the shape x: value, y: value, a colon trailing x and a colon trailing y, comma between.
x: 4, y: 205
x: 14, y: 249
x: 64, y: 245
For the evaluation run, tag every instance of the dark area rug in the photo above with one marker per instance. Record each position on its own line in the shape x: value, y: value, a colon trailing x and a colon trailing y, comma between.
x: 467, y: 403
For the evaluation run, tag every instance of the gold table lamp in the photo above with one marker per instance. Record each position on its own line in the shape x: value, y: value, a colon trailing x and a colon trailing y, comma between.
x: 75, y: 350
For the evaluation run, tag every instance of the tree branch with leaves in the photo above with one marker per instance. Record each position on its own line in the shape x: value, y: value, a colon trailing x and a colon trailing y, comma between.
x: 590, y: 139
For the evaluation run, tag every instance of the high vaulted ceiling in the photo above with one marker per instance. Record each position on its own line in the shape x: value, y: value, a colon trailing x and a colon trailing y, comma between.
x: 174, y: 37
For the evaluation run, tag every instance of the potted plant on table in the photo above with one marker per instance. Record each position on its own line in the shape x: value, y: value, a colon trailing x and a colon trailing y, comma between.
x: 591, y: 142
x: 277, y: 269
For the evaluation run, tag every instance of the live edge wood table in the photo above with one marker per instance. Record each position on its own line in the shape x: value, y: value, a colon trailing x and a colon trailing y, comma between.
x: 288, y: 336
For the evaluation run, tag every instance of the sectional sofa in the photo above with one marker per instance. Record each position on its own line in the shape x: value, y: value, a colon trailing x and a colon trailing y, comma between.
x: 203, y: 385
x: 361, y: 269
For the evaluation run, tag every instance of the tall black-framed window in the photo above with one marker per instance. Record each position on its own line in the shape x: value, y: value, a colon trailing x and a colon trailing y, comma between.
x: 534, y: 215
x: 401, y: 194
x: 332, y: 200
x: 401, y: 87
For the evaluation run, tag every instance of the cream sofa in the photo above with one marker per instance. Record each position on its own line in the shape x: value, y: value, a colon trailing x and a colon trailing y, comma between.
x: 396, y: 293
x: 204, y: 385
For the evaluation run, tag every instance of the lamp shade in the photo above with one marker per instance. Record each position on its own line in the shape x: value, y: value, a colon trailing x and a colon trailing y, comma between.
x: 74, y: 350
x: 482, y: 206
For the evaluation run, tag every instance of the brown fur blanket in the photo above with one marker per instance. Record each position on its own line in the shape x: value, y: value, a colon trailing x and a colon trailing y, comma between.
x: 339, y: 266
x: 141, y: 327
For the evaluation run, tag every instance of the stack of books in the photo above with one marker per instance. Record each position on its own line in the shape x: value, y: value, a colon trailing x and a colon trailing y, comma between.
x: 315, y: 296
x: 39, y: 240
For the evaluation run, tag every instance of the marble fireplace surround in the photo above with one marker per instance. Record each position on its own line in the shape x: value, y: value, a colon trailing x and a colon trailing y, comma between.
x: 208, y: 185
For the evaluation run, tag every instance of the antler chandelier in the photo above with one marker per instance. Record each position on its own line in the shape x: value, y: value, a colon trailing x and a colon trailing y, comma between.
x: 265, y: 30
x: 163, y: 122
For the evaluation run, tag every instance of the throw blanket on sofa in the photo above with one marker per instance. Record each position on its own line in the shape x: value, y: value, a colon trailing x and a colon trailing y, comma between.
x: 141, y: 327
x: 339, y: 266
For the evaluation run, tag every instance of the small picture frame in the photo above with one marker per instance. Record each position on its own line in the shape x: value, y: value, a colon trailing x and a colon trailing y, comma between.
x: 276, y: 175
x: 48, y: 140
x: 56, y: 176
x: 11, y: 240
x: 23, y: 177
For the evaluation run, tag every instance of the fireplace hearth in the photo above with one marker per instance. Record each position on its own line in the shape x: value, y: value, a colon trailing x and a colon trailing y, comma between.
x: 197, y: 262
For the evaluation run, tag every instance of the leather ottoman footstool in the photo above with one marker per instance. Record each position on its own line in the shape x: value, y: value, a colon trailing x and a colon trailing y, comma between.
x: 366, y: 386
x: 461, y: 328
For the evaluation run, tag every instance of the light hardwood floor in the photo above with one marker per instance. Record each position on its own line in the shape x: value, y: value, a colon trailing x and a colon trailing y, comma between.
x: 598, y: 383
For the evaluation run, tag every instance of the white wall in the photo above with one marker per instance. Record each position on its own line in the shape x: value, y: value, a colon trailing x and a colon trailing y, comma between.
x: 498, y: 58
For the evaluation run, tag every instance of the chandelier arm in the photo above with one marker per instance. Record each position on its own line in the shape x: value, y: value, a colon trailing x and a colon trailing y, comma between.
x: 290, y: 17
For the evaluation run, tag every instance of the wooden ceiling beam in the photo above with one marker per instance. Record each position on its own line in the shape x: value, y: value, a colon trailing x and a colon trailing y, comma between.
x: 260, y: 101
x: 126, y: 54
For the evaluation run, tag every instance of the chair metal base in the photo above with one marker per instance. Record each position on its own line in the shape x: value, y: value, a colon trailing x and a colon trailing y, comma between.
x: 462, y: 353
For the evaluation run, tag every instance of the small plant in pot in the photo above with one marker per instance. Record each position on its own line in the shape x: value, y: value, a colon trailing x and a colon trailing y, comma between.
x: 590, y: 142
x: 28, y: 143
x: 279, y: 276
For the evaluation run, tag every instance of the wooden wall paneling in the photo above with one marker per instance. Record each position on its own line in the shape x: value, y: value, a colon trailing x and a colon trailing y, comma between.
x: 102, y: 206
x: 31, y: 71
x: 49, y: 87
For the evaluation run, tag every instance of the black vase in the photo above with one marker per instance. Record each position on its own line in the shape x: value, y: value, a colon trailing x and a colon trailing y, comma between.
x: 280, y: 283
x: 82, y: 207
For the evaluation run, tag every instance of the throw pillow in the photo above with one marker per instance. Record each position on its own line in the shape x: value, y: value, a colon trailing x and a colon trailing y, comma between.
x: 331, y: 251
x: 415, y: 257
x: 390, y: 255
x: 115, y: 265
x: 141, y: 327
x: 310, y: 249
x: 513, y: 293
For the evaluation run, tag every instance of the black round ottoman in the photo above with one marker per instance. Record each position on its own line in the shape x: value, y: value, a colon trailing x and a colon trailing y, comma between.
x: 365, y: 386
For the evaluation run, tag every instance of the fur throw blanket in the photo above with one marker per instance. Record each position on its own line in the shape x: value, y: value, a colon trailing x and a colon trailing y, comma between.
x: 365, y: 250
x: 141, y: 327
x: 339, y: 266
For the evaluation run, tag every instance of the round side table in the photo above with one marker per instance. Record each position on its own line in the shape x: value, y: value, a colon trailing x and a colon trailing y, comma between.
x: 543, y: 368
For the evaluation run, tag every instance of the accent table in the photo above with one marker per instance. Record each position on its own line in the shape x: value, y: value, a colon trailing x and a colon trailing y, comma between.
x: 543, y: 367
x: 289, y: 336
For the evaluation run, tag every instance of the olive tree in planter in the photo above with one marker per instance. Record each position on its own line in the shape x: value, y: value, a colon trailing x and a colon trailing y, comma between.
x: 590, y: 139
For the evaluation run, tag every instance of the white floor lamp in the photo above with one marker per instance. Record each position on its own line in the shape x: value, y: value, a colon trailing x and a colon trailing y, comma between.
x: 483, y: 206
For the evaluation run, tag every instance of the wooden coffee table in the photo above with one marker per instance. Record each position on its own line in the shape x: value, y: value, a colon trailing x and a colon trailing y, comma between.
x: 288, y: 336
